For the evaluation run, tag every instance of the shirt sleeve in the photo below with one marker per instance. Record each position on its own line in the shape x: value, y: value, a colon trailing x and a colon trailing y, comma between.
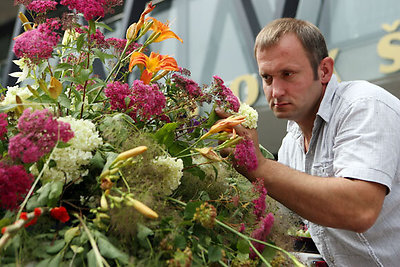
x: 367, y: 143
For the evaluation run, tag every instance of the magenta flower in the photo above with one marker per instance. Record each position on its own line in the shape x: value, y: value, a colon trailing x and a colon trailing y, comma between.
x: 3, y: 125
x: 142, y: 101
x: 96, y: 39
x: 119, y: 45
x: 245, y: 155
x: 38, y: 43
x: 14, y: 184
x: 91, y: 9
x: 42, y: 6
x: 259, y: 203
x: 225, y: 96
x: 190, y: 87
x: 39, y: 133
x: 261, y: 233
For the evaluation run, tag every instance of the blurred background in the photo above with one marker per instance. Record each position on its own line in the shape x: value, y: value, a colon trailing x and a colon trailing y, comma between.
x: 363, y: 36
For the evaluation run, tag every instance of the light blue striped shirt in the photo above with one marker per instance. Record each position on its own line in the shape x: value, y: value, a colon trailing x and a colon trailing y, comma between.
x: 356, y: 134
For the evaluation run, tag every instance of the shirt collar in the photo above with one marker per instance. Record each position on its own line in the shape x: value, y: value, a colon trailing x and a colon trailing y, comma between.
x: 325, y: 108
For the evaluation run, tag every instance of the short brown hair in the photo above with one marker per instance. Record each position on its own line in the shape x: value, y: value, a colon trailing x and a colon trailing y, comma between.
x: 309, y: 35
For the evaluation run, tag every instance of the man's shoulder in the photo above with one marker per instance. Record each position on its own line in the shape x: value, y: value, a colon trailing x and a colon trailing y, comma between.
x: 360, y: 90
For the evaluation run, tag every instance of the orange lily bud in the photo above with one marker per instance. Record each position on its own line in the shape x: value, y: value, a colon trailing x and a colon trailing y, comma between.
x: 20, y: 107
x: 209, y: 153
x: 142, y: 208
x: 131, y: 153
x: 25, y: 21
x: 131, y: 32
x: 55, y: 88
x: 225, y: 125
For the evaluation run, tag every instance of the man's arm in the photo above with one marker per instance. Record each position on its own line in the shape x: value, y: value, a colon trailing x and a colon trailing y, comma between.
x: 332, y: 201
x: 329, y: 201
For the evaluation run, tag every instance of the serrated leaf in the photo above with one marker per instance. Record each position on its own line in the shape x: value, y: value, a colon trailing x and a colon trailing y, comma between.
x: 214, y: 253
x: 243, y: 246
x: 180, y: 242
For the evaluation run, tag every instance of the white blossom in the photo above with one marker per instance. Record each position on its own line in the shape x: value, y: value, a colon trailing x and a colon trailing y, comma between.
x: 172, y: 174
x: 251, y: 116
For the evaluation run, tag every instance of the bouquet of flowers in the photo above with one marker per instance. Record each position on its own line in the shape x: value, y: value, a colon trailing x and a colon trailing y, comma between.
x: 123, y: 170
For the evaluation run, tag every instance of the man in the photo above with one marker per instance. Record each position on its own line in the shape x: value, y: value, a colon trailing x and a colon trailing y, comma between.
x: 339, y: 164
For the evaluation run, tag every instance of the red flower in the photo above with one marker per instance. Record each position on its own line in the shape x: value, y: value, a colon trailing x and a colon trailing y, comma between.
x: 31, y: 222
x: 24, y: 216
x: 37, y: 211
x: 3, y: 230
x: 60, y: 213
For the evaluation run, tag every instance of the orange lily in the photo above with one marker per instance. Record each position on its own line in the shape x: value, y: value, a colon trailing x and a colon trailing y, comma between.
x: 163, y: 29
x: 225, y: 125
x: 153, y: 64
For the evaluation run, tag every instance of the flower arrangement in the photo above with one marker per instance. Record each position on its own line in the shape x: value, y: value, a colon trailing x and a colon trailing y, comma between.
x: 114, y: 172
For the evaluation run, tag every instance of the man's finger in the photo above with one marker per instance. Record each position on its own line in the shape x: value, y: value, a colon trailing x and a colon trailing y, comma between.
x: 222, y: 113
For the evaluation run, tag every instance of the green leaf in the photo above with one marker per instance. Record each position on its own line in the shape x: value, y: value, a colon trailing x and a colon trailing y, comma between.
x: 56, y: 247
x: 61, y: 144
x: 197, y: 171
x: 108, y: 250
x: 190, y: 209
x: 166, y: 135
x: 97, y: 161
x: 212, y: 119
x: 180, y: 241
x: 76, y: 249
x: 84, y: 76
x: 214, y: 253
x: 91, y: 259
x: 143, y: 233
x: 243, y: 246
x: 103, y: 25
x: 6, y: 108
x: 269, y: 253
x: 56, y: 260
x: 55, y: 190
x: 266, y: 153
x: 80, y: 41
x: 71, y: 233
x: 64, y: 101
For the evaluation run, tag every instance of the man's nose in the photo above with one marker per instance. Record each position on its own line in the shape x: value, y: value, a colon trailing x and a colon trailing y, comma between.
x: 278, y: 88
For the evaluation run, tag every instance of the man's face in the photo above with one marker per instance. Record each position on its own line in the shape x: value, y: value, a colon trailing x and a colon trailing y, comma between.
x: 288, y: 80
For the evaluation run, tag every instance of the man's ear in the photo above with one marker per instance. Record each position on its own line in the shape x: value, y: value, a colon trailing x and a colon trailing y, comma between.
x: 326, y: 69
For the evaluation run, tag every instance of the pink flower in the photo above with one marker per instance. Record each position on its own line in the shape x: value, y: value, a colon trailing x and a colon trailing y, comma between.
x: 119, y: 45
x: 224, y: 95
x: 142, y: 101
x: 42, y: 6
x: 39, y: 133
x: 259, y: 203
x: 14, y: 184
x: 190, y: 87
x: 3, y: 125
x: 91, y: 9
x: 261, y: 234
x: 38, y: 43
x: 245, y: 155
x: 96, y: 39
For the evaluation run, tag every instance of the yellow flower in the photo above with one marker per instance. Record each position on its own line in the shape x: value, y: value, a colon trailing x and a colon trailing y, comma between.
x: 163, y: 29
x: 55, y: 88
x: 152, y: 64
x: 225, y: 125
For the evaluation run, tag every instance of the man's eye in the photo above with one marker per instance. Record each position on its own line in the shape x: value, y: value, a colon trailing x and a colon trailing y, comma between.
x: 287, y: 73
x: 268, y: 79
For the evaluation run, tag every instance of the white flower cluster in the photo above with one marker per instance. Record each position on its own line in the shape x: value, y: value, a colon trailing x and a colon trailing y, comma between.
x: 13, y: 91
x: 173, y: 172
x: 69, y: 161
x: 251, y: 115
